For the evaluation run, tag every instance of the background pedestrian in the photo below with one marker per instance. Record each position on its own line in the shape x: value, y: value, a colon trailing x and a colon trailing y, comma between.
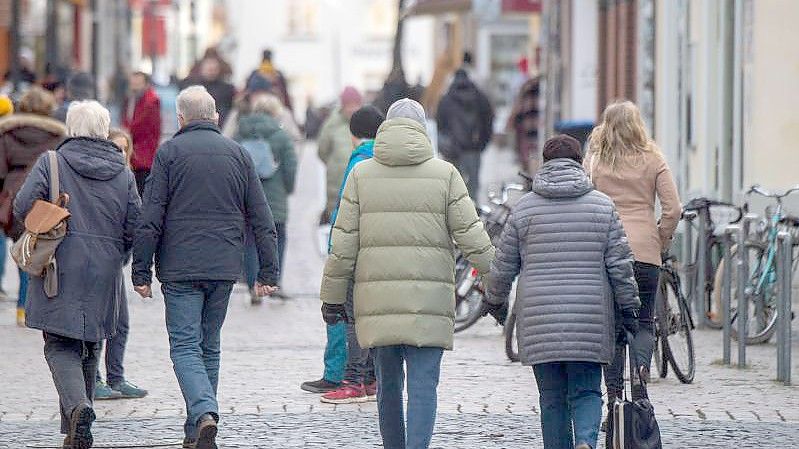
x: 260, y: 125
x: 359, y: 383
x: 141, y: 115
x: 465, y: 126
x: 24, y: 136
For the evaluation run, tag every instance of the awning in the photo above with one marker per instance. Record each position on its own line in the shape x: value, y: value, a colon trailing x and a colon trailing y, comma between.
x: 425, y: 7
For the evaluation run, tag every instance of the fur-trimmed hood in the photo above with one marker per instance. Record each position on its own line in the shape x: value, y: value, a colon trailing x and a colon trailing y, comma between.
x: 39, y: 122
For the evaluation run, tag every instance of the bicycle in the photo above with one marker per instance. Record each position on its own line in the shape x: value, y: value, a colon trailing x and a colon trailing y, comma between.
x: 712, y: 212
x: 674, y: 345
x: 760, y: 248
x: 469, y: 288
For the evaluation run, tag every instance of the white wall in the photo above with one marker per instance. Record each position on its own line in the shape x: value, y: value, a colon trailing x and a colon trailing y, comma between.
x: 583, y: 73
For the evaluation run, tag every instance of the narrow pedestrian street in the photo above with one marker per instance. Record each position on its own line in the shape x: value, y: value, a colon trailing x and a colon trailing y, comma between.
x: 485, y: 401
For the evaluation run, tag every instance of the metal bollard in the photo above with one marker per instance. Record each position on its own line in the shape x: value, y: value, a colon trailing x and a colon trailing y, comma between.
x: 784, y: 269
x: 700, y: 285
x: 743, y: 284
x: 726, y: 293
x: 688, y: 256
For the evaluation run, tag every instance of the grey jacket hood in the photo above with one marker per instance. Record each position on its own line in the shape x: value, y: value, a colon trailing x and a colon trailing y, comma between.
x: 93, y: 158
x: 402, y: 142
x: 562, y: 178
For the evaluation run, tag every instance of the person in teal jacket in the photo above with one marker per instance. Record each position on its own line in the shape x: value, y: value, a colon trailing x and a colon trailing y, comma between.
x: 255, y: 124
x: 354, y: 382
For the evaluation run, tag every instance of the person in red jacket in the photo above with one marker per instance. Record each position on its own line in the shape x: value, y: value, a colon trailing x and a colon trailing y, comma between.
x: 141, y: 115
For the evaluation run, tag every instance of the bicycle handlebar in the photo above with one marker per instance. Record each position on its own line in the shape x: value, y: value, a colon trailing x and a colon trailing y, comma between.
x: 763, y: 192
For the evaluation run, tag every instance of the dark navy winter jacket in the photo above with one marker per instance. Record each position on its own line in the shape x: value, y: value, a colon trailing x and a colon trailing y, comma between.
x: 201, y: 190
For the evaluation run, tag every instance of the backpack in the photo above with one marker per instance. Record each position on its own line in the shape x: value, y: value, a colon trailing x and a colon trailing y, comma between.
x: 262, y: 156
x: 45, y: 229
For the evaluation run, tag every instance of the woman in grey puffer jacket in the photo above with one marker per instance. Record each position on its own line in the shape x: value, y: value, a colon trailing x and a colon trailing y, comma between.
x: 566, y: 242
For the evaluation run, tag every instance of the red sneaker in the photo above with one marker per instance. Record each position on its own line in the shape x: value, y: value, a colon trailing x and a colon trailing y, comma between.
x: 347, y: 393
x: 371, y: 391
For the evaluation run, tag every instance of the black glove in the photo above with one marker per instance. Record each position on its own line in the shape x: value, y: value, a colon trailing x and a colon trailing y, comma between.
x: 630, y: 321
x: 333, y: 313
x: 498, y: 311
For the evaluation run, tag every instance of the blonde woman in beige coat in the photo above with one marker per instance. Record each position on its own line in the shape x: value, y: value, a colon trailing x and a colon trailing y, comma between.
x: 627, y: 165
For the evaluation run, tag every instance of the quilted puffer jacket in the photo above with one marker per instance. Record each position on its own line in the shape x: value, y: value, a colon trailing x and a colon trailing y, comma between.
x: 575, y: 267
x: 393, y: 238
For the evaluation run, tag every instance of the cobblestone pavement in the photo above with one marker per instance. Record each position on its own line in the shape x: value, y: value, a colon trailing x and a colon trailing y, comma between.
x: 268, y: 350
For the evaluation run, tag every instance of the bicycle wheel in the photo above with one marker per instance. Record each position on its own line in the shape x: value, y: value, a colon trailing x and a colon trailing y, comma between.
x: 511, y: 344
x: 661, y: 364
x: 762, y: 304
x: 675, y: 325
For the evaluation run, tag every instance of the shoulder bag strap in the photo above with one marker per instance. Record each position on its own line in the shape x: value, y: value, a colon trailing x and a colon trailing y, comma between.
x: 54, y: 178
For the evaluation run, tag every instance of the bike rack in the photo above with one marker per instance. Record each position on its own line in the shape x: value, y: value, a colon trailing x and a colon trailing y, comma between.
x: 688, y: 257
x: 728, y: 240
x: 700, y: 287
x: 784, y: 269
x: 743, y: 280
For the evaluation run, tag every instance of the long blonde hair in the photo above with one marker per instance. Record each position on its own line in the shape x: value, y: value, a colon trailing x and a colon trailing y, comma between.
x: 621, y: 136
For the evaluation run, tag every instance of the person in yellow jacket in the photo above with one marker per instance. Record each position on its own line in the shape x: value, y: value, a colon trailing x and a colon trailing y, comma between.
x: 393, y: 240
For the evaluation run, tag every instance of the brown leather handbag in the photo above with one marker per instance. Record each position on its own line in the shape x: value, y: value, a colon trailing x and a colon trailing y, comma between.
x: 45, y: 229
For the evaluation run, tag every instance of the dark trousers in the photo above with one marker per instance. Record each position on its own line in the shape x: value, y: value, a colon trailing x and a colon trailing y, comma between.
x: 251, y: 263
x: 424, y: 369
x: 195, y: 312
x: 73, y: 364
x: 468, y: 164
x: 115, y: 348
x: 571, y: 403
x: 360, y: 368
x: 646, y: 275
x: 141, y: 179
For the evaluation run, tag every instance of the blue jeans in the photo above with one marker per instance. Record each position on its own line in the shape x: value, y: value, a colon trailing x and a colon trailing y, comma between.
x: 424, y: 368
x: 335, y: 352
x: 195, y: 312
x: 571, y: 403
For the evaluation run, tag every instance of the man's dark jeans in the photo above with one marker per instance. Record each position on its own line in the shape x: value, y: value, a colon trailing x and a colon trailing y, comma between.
x: 646, y: 275
x: 360, y: 368
x: 571, y: 403
x: 73, y: 364
x: 195, y: 312
x: 424, y: 369
x: 468, y: 164
x: 115, y: 348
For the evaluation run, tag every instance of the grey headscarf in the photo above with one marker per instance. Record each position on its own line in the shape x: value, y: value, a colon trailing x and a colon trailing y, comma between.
x: 407, y: 108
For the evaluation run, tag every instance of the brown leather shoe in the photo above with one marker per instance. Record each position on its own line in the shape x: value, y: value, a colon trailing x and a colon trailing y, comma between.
x: 206, y: 432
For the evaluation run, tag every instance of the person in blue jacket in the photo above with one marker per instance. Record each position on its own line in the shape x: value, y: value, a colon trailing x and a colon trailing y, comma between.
x: 354, y: 382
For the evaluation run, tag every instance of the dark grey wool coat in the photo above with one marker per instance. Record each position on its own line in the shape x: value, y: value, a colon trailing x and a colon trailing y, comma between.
x: 105, y: 206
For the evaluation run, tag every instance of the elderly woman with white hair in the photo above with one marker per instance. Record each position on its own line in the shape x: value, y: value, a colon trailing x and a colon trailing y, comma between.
x: 104, y: 207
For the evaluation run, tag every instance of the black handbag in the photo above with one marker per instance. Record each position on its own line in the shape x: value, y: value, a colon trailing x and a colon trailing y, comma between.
x: 632, y: 425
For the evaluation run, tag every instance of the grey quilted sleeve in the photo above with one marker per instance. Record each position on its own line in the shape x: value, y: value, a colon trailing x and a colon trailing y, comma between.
x: 619, y: 264
x: 506, y: 265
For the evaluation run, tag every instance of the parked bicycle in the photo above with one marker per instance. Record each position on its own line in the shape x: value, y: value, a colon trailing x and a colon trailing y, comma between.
x: 469, y: 288
x: 760, y: 248
x: 712, y: 213
x: 674, y: 345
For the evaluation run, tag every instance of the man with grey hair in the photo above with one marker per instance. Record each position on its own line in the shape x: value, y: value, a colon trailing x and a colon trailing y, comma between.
x: 202, y: 190
x: 403, y: 205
